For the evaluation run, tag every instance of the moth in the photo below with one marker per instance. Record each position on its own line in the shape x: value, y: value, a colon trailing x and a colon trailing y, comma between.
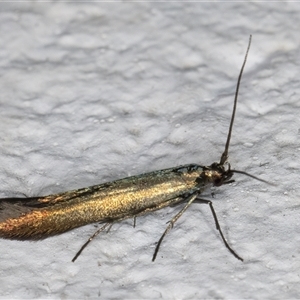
x: 37, y: 218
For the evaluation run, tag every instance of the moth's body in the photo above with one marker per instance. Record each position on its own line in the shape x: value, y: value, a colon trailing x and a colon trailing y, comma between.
x: 40, y: 217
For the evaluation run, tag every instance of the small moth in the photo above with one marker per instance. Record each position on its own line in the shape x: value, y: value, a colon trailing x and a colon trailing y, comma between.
x: 37, y: 218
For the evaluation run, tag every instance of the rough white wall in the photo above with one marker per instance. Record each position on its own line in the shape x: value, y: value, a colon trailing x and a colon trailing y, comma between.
x: 92, y: 92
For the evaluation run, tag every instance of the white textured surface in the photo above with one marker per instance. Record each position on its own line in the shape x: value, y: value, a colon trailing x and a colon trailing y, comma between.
x: 92, y: 92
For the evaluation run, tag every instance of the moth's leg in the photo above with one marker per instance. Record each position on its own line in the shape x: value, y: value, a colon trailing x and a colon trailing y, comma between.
x: 217, y: 225
x: 109, y: 225
x: 190, y: 200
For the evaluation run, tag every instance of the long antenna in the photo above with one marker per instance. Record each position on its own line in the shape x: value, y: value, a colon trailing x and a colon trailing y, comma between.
x: 224, y: 156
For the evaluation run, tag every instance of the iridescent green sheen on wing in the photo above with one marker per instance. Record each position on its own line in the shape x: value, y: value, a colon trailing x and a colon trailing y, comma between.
x: 36, y: 218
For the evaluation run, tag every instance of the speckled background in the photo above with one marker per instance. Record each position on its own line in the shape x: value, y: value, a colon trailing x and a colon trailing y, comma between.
x: 92, y: 92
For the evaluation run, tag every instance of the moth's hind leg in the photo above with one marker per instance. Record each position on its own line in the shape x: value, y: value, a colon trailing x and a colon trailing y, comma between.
x: 106, y: 225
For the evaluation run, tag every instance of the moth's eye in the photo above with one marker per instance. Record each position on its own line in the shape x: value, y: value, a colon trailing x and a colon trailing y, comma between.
x: 218, y: 181
x: 214, y: 165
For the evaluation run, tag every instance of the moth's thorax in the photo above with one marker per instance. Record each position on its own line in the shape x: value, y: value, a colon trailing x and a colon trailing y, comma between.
x: 212, y: 176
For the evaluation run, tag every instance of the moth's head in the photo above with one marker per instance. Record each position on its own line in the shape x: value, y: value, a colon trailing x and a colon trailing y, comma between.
x: 219, y: 175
